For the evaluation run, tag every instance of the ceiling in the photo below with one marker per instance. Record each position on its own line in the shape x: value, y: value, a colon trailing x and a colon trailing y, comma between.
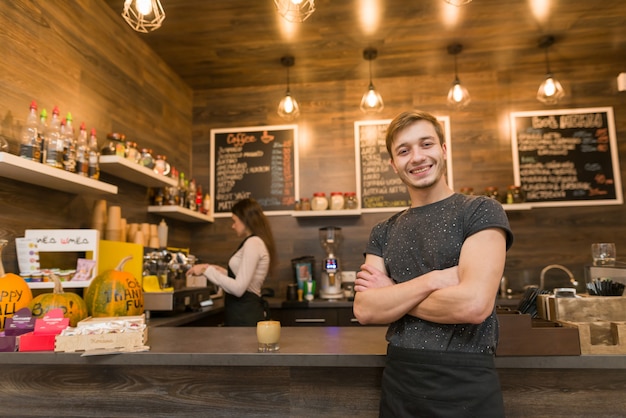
x: 238, y: 43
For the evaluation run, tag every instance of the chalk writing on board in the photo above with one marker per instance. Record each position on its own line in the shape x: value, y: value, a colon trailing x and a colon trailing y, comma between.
x: 566, y: 156
x: 256, y: 162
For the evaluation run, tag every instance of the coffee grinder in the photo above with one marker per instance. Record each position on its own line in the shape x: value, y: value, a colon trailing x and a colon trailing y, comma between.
x: 330, y: 282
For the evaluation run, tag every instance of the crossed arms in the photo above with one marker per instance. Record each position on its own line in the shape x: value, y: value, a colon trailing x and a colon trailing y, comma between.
x: 456, y: 295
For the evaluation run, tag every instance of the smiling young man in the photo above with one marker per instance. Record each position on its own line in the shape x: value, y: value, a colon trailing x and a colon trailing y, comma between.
x: 432, y: 271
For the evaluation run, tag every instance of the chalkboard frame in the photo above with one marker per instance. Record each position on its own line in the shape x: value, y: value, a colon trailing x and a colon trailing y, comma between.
x: 614, y: 157
x: 256, y: 129
x: 444, y: 120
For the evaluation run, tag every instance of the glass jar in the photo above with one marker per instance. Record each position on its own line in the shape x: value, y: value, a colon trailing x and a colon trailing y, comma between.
x: 351, y: 202
x: 305, y: 203
x: 518, y: 195
x: 115, y: 145
x: 492, y: 192
x: 319, y: 202
x: 336, y: 201
x: 146, y: 158
x: 132, y: 153
x: 467, y: 191
x: 161, y: 166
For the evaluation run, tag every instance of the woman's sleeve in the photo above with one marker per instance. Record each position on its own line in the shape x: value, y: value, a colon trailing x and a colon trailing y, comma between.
x: 250, y: 255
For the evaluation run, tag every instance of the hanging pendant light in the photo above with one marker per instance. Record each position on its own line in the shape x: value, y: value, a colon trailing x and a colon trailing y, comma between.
x: 288, y: 108
x: 143, y: 15
x: 458, y: 2
x: 372, y: 101
x: 550, y: 91
x: 458, y: 96
x: 295, y: 10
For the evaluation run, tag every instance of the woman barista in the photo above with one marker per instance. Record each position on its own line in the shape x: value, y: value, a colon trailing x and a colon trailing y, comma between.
x: 247, y: 268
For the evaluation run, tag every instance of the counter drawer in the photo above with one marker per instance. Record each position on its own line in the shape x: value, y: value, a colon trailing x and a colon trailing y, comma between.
x: 306, y: 317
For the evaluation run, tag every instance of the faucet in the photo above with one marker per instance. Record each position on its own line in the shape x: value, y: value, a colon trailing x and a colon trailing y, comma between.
x: 556, y: 266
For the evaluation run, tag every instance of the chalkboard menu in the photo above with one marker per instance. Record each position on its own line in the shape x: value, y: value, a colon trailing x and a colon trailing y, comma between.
x: 566, y: 157
x: 257, y: 162
x: 378, y: 187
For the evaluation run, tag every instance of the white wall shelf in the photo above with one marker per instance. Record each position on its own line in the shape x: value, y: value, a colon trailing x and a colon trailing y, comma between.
x: 325, y: 213
x: 78, y: 284
x: 180, y: 213
x: 124, y: 168
x: 21, y: 169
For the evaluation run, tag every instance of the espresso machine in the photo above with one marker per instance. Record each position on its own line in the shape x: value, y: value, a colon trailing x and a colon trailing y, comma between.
x: 330, y: 280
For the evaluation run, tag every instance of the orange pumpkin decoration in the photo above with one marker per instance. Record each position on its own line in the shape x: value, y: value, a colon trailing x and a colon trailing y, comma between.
x: 72, y: 305
x: 14, y: 292
x: 114, y: 293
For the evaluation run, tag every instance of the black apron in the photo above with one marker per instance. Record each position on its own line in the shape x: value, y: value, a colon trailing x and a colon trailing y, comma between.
x: 430, y: 384
x: 244, y: 311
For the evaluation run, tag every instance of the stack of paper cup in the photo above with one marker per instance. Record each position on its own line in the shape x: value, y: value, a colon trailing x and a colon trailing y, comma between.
x: 132, y: 230
x: 114, y: 224
x: 154, y: 237
x: 145, y: 230
x: 99, y: 216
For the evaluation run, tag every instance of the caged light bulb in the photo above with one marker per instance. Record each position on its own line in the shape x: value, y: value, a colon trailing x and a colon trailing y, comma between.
x: 144, y: 7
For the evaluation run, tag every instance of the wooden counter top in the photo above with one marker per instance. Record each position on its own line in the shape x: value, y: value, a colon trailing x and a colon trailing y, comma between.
x: 299, y: 347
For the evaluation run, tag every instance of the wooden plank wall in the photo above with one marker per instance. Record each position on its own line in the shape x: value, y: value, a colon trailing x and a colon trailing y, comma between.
x: 82, y: 56
x: 104, y: 74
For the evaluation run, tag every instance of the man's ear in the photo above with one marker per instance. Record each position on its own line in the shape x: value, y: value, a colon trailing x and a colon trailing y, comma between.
x: 391, y: 163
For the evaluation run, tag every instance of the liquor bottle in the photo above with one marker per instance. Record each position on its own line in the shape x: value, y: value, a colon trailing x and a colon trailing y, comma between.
x: 93, y: 171
x: 41, y: 133
x: 30, y: 147
x: 199, y: 207
x: 69, y: 145
x: 172, y: 191
x: 182, y: 190
x: 82, y: 152
x: 191, y: 195
x: 54, y: 142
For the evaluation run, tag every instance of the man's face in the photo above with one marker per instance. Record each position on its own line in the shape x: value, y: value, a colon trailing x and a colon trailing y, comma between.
x: 417, y: 156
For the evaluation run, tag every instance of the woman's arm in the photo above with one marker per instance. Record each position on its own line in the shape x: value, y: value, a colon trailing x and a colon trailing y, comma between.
x: 249, y: 265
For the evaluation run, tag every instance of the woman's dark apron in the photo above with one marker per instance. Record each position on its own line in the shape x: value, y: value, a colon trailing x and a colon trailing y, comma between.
x: 244, y: 311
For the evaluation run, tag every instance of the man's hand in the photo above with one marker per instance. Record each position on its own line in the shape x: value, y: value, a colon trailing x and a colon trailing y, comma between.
x: 371, y: 278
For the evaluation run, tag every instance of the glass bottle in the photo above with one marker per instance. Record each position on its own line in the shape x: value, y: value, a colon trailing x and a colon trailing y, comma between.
x: 69, y: 144
x: 82, y: 152
x: 41, y: 133
x: 93, y: 171
x: 182, y: 190
x: 54, y: 142
x: 191, y: 195
x: 30, y: 147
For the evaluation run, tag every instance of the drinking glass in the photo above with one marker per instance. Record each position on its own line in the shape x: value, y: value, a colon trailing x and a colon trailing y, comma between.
x: 603, y: 253
x: 268, y: 335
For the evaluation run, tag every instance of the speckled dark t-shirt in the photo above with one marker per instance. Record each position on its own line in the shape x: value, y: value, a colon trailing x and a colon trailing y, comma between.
x: 419, y: 240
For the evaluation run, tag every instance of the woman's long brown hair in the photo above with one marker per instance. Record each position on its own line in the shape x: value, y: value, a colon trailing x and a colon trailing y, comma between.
x: 252, y: 216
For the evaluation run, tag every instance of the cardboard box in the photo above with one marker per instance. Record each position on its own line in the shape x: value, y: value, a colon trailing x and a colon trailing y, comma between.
x: 46, y: 329
x: 111, y: 341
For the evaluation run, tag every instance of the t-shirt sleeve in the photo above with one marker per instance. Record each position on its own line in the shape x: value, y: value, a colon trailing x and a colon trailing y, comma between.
x: 488, y: 213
